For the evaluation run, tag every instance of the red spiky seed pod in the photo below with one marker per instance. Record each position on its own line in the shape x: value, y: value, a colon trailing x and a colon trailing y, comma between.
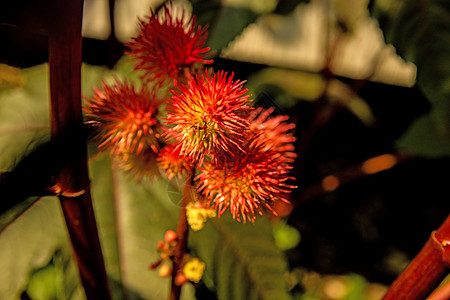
x: 139, y: 165
x: 168, y: 45
x: 271, y: 133
x: 173, y: 164
x: 124, y: 121
x: 256, y: 178
x: 208, y: 115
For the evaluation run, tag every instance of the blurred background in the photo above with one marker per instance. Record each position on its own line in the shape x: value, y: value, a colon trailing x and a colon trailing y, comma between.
x: 366, y: 85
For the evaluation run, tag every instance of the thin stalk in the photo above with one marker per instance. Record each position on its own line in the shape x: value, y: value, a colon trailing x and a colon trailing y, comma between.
x: 426, y: 271
x: 72, y: 181
x: 182, y: 234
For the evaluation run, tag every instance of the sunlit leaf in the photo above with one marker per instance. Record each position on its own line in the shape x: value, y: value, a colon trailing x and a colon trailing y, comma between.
x: 28, y: 244
x: 286, y: 236
x: 242, y: 260
x: 132, y: 218
x: 225, y: 22
x: 25, y: 124
x: 13, y: 213
x: 57, y: 280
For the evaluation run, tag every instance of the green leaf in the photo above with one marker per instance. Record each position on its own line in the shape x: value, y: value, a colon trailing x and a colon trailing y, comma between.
x: 57, y: 280
x: 286, y: 236
x: 132, y: 218
x: 425, y: 139
x: 24, y: 117
x: 225, y: 22
x: 28, y: 244
x: 24, y: 112
x: 299, y: 85
x: 102, y: 192
x: 42, y: 283
x: 13, y: 213
x: 242, y: 260
x: 420, y: 30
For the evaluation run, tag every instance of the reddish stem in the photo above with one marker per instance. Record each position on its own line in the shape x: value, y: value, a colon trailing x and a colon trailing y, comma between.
x: 72, y: 180
x: 426, y: 270
x: 182, y: 234
x: 442, y: 292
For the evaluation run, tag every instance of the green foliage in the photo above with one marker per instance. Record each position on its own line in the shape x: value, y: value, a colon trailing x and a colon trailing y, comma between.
x: 132, y: 217
x: 242, y: 261
x: 58, y: 280
x: 340, y: 287
x: 420, y: 30
x: 28, y: 244
x: 42, y: 284
x: 24, y: 120
x: 226, y: 22
x: 11, y: 214
x: 286, y: 236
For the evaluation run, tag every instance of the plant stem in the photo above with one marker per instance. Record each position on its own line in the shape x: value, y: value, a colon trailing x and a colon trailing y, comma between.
x: 442, y: 292
x: 182, y: 234
x: 426, y: 270
x: 72, y: 180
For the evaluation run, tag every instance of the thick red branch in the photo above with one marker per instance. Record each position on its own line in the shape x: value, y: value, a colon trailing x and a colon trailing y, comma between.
x: 426, y: 270
x: 72, y: 179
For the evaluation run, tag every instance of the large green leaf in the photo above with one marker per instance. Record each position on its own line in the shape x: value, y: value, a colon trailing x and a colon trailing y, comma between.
x: 24, y: 112
x: 57, y: 280
x: 24, y: 116
x: 28, y: 244
x: 132, y: 218
x: 14, y: 212
x: 226, y: 22
x: 420, y: 30
x: 242, y: 260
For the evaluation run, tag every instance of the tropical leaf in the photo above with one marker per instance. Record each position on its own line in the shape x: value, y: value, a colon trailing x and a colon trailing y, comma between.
x: 14, y: 212
x: 226, y: 22
x: 132, y: 218
x: 420, y: 30
x: 24, y: 117
x: 242, y: 260
x: 57, y: 280
x: 28, y: 244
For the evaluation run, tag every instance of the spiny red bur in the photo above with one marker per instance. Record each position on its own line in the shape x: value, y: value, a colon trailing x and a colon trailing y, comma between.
x: 168, y: 45
x: 257, y: 177
x: 271, y: 134
x: 175, y: 165
x: 208, y: 115
x: 139, y: 165
x: 125, y: 122
x: 123, y: 118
